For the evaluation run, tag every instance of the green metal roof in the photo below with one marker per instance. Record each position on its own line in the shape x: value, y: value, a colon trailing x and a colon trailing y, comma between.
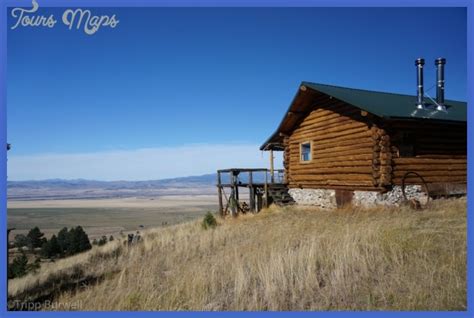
x: 381, y: 104
x: 392, y: 105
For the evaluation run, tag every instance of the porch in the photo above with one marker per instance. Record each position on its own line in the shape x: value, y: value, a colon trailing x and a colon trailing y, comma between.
x: 261, y: 186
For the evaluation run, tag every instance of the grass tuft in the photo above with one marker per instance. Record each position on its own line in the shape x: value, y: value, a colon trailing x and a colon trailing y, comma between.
x: 209, y: 221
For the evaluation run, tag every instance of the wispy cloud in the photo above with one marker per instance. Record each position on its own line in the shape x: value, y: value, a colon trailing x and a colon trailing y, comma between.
x: 138, y: 164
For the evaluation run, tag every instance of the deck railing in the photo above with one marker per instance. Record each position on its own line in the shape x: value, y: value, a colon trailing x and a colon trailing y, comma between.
x: 257, y: 180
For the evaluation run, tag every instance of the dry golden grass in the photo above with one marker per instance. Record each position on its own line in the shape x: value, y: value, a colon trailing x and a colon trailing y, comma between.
x: 279, y: 259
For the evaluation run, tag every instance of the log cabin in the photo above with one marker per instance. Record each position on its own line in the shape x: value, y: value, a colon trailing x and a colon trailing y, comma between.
x: 353, y: 144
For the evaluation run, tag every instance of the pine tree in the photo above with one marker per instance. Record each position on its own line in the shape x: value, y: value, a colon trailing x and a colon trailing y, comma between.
x: 19, y: 266
x: 46, y: 250
x: 54, y: 245
x: 83, y: 240
x: 63, y: 241
x: 35, y: 238
x: 21, y: 240
x: 72, y: 242
x: 51, y: 248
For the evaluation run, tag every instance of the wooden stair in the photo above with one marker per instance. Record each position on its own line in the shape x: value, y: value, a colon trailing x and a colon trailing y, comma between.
x: 278, y: 194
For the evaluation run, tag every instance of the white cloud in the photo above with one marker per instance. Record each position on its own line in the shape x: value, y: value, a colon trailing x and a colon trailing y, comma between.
x: 138, y: 164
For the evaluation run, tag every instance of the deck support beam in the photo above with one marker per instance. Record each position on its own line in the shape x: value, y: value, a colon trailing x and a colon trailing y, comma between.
x: 219, y: 193
x: 251, y: 193
x: 272, y: 168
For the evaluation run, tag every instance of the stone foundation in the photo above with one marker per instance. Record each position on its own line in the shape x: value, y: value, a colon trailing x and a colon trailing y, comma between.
x: 322, y: 198
x: 393, y: 197
x: 326, y: 199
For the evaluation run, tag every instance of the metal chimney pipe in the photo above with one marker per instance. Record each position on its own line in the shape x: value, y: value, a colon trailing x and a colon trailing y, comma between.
x: 419, y: 81
x: 440, y: 81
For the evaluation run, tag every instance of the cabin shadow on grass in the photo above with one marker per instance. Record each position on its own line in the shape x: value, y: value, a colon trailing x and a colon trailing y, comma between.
x: 289, y: 258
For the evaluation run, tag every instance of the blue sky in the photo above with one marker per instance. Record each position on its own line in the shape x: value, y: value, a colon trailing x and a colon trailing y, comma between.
x: 180, y: 91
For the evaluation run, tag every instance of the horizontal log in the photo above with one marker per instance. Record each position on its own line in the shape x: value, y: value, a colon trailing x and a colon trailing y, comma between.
x: 327, y: 130
x: 433, y: 156
x: 323, y: 133
x: 295, y: 158
x: 333, y: 177
x: 328, y: 164
x: 307, y: 185
x: 324, y: 125
x: 338, y: 108
x: 343, y: 158
x: 430, y: 167
x: 422, y: 160
x: 335, y: 149
x: 348, y: 142
x: 322, y: 150
x: 338, y: 159
x: 316, y: 170
x: 352, y: 134
x: 322, y: 118
x: 330, y: 116
x: 361, y: 183
x: 429, y: 173
x: 432, y: 179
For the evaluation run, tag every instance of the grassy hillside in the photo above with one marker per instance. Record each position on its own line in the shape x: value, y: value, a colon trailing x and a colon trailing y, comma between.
x: 280, y: 259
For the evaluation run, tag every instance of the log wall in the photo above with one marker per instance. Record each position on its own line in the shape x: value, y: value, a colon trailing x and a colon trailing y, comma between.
x: 353, y: 151
x: 439, y: 151
x: 343, y: 147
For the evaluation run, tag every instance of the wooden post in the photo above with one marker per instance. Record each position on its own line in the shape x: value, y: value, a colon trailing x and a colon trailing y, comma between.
x: 251, y: 193
x: 259, y: 202
x: 233, y: 196
x: 272, y: 177
x: 219, y: 193
x: 266, y: 189
x: 236, y: 188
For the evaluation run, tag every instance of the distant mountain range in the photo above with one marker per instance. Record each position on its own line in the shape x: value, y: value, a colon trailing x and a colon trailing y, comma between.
x: 54, y: 189
x: 207, y: 179
x: 94, y: 189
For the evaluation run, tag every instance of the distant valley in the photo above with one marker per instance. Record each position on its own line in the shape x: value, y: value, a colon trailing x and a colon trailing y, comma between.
x: 61, y: 189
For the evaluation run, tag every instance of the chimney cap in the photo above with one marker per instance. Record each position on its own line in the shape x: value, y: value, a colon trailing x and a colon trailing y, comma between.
x: 420, y: 61
x: 440, y: 60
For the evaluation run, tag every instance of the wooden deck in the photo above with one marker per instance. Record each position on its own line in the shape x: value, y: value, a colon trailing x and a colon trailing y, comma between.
x: 259, y: 183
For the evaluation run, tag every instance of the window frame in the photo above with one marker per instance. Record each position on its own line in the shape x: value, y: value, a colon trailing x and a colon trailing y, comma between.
x: 406, y: 145
x: 310, y: 151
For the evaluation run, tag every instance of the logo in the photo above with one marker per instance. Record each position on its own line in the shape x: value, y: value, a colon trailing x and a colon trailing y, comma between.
x: 72, y: 18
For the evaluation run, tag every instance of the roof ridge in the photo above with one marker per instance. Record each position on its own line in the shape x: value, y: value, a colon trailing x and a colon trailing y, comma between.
x: 372, y: 91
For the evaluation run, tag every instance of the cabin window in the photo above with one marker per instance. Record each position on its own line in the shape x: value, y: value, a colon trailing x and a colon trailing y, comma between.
x: 305, y: 151
x: 406, y: 146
